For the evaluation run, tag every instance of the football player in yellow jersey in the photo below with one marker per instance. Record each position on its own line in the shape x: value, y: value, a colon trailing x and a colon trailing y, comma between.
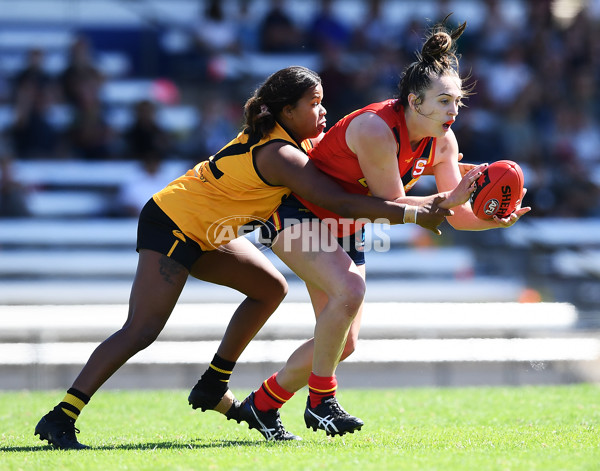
x: 245, y: 181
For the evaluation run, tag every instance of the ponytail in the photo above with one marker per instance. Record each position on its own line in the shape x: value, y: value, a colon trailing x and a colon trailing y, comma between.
x: 436, y: 58
x: 440, y: 47
x: 259, y: 120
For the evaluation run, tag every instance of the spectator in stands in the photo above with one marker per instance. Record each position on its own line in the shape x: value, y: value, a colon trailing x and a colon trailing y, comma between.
x: 278, y: 32
x: 33, y: 75
x: 337, y: 78
x: 216, y: 125
x: 517, y: 132
x: 134, y: 193
x: 586, y: 95
x: 411, y: 35
x: 375, y: 30
x: 576, y: 194
x: 327, y: 29
x: 247, y: 28
x: 507, y: 77
x: 32, y: 133
x: 81, y: 79
x: 387, y: 66
x: 13, y: 194
x: 497, y: 33
x: 146, y: 140
x: 215, y: 32
x: 90, y: 136
x: 219, y: 120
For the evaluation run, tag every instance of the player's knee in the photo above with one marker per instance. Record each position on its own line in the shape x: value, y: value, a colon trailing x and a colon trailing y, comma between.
x: 142, y: 337
x: 279, y: 288
x: 349, y: 294
x: 354, y: 291
x: 273, y: 290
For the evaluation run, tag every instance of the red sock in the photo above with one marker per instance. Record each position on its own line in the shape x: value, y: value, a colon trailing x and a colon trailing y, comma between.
x: 271, y: 395
x: 320, y: 387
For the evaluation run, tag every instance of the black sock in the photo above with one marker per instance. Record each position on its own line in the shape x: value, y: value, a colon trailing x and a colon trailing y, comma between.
x: 216, y: 377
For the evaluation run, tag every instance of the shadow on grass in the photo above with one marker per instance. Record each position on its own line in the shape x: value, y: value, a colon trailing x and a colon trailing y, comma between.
x: 166, y: 445
x: 192, y: 445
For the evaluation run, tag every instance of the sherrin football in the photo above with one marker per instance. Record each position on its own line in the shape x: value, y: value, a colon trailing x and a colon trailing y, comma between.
x: 498, y: 190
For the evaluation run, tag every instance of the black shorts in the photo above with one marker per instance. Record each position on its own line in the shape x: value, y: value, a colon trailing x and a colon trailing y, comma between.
x: 291, y: 211
x: 156, y: 231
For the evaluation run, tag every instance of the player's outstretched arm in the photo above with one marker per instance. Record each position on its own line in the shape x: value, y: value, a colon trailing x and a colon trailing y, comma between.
x: 430, y: 213
x: 286, y: 166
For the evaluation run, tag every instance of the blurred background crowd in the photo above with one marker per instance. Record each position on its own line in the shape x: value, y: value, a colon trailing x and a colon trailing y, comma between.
x: 152, y: 81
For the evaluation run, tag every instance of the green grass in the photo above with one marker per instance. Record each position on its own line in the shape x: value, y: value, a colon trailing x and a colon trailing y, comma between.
x: 526, y: 428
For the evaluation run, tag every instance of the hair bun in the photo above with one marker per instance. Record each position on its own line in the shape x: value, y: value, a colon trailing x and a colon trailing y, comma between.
x: 438, y: 45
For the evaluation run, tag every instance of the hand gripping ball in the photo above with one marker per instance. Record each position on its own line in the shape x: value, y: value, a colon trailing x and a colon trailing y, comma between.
x: 498, y: 190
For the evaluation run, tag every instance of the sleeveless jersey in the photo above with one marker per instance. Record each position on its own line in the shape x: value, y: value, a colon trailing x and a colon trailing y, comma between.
x: 333, y: 157
x: 213, y: 200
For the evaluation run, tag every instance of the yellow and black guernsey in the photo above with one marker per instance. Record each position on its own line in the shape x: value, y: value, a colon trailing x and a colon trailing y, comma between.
x: 212, y: 201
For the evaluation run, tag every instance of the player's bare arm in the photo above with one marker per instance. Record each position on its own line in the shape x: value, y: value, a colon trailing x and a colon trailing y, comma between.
x: 285, y: 165
x: 371, y: 139
x: 447, y: 176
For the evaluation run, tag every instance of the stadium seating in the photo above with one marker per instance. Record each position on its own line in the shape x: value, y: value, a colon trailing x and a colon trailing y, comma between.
x: 76, y: 188
x: 563, y: 256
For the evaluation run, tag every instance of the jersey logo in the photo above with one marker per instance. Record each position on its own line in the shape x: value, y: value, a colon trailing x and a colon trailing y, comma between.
x: 419, y: 167
x: 179, y: 235
x: 411, y: 175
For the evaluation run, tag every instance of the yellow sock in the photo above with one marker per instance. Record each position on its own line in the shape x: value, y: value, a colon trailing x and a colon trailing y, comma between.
x: 73, y: 403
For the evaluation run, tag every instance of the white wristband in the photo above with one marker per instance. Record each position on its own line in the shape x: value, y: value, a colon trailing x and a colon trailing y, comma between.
x: 410, y: 214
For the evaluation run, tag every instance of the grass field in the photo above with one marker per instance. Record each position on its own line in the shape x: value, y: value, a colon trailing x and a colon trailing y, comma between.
x: 527, y: 428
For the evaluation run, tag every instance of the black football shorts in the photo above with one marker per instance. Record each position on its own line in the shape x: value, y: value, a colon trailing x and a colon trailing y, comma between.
x: 291, y: 211
x: 156, y: 231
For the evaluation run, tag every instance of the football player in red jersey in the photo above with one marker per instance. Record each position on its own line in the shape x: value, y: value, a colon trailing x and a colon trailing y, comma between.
x: 379, y: 150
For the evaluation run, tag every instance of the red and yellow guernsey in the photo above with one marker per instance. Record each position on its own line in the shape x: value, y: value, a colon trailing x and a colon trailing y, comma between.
x: 333, y: 157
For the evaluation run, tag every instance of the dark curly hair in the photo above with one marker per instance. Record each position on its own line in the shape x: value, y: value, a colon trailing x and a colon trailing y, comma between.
x: 284, y: 87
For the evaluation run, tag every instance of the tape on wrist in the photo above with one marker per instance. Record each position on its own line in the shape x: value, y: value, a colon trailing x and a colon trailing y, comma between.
x: 410, y: 214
